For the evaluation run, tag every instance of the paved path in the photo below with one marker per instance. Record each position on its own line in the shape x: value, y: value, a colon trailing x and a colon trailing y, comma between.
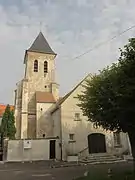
x: 41, y: 172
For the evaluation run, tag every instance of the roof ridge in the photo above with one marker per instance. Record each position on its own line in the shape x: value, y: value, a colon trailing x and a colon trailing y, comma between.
x: 59, y: 102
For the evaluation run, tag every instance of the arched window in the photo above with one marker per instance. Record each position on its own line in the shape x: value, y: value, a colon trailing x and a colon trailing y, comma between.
x: 45, y: 66
x: 36, y: 66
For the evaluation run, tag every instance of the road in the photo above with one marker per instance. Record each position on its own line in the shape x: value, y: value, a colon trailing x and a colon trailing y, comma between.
x: 41, y: 172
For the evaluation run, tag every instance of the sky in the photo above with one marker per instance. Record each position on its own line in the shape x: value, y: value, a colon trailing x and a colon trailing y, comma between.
x: 71, y: 27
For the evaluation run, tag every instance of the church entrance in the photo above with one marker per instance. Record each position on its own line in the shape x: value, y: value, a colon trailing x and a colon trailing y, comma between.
x: 96, y: 143
x: 52, y: 149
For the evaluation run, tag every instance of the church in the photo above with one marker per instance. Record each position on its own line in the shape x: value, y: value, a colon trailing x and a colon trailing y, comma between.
x: 36, y: 92
x: 41, y: 113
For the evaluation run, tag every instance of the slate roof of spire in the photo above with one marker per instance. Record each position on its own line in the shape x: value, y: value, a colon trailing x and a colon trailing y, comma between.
x: 41, y: 45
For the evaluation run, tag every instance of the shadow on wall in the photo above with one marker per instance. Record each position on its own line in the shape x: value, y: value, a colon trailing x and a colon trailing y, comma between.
x: 44, y: 124
x: 31, y: 132
x: 43, y: 127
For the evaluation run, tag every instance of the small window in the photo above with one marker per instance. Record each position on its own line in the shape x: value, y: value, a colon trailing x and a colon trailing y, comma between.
x: 117, y: 139
x: 45, y: 67
x: 71, y: 137
x: 43, y: 135
x: 45, y: 86
x: 36, y: 66
x: 77, y: 117
x: 41, y: 109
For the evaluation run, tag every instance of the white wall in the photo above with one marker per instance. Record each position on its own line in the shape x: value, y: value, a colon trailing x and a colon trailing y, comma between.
x: 82, y: 128
x: 56, y: 118
x: 40, y: 150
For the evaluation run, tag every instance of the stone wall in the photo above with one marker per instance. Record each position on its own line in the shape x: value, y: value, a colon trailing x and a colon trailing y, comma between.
x: 24, y: 110
x: 38, y: 81
x: 26, y: 117
x: 18, y: 109
x: 44, y: 126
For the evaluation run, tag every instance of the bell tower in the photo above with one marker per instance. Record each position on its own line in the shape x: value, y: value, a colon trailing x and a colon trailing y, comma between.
x: 40, y: 65
x: 39, y: 77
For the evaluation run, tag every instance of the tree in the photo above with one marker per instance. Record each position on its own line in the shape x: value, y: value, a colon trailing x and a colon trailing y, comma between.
x: 8, y: 124
x: 11, y: 126
x: 108, y: 99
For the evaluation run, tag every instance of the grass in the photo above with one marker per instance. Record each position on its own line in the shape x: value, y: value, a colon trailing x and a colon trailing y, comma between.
x: 127, y: 175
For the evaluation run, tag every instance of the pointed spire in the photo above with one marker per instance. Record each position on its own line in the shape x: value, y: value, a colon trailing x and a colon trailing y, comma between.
x: 41, y: 45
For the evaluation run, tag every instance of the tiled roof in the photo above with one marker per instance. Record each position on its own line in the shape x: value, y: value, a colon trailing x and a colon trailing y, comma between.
x: 44, y: 97
x: 41, y: 45
x: 3, y: 107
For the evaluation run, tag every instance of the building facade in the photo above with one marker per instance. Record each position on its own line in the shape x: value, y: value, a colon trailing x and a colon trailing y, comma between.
x: 78, y: 135
x: 41, y: 113
x: 36, y: 92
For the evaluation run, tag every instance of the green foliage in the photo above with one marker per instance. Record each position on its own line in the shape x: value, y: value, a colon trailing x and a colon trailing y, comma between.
x: 11, y: 126
x: 8, y: 124
x: 5, y: 119
x: 109, y: 97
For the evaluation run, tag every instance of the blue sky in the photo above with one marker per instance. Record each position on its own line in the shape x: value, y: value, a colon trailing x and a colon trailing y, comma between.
x: 71, y: 28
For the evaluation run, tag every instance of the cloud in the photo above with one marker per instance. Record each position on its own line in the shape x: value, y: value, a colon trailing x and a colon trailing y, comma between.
x: 71, y: 28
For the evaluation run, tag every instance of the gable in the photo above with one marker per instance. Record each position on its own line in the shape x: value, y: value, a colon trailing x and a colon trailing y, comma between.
x: 72, y: 100
x: 72, y: 92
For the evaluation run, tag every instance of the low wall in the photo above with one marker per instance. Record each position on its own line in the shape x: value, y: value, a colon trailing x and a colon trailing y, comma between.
x: 72, y: 158
x: 29, y: 150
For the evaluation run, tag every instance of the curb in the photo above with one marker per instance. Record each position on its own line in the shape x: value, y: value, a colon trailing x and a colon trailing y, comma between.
x: 73, y: 165
x: 2, y: 162
x: 111, y: 162
x: 86, y: 164
x: 65, y: 165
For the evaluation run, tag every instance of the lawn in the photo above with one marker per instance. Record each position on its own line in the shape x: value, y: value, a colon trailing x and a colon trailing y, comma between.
x: 127, y: 175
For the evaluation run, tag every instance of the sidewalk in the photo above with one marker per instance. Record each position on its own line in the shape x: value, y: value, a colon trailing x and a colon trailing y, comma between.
x: 45, y: 164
